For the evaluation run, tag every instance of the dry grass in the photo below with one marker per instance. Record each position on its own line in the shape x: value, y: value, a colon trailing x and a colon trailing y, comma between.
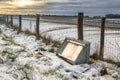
x: 16, y: 27
x: 56, y: 43
x: 8, y: 24
x: 52, y: 50
x: 27, y: 31
x: 42, y: 49
x: 94, y: 56
x: 104, y: 71
x: 48, y: 40
x: 112, y: 61
x: 0, y: 31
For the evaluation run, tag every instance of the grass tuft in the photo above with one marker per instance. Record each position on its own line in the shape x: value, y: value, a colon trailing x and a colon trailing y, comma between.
x: 48, y: 40
x: 42, y: 49
x: 0, y: 31
x: 52, y: 50
x: 94, y: 56
x: 16, y: 27
x: 112, y: 61
x: 27, y: 31
x: 50, y: 73
x: 103, y: 71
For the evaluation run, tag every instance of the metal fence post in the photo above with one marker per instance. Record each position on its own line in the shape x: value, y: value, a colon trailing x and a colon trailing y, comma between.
x: 37, y: 25
x: 101, y: 55
x: 20, y: 22
x: 80, y: 25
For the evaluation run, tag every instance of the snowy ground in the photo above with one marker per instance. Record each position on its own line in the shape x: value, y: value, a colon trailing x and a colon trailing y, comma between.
x: 22, y: 57
x: 92, y: 34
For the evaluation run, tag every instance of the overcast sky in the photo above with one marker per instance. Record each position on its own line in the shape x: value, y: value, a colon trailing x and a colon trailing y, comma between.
x: 67, y: 7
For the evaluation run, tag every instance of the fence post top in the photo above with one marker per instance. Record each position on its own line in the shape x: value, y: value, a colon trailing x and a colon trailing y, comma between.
x: 80, y: 13
x: 103, y: 17
x: 38, y: 14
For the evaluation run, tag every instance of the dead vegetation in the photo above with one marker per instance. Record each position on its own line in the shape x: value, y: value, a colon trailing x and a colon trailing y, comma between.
x: 52, y: 50
x: 96, y: 57
x: 104, y: 71
x: 27, y: 31
x: 49, y: 40
x: 112, y: 61
x: 0, y: 31
x: 42, y: 49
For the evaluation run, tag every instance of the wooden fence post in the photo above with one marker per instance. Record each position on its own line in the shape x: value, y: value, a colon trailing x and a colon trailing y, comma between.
x: 101, y: 55
x: 7, y: 19
x: 80, y: 25
x: 20, y: 23
x: 37, y: 25
x: 11, y: 21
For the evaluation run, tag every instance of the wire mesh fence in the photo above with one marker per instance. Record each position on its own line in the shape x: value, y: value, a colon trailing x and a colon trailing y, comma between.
x: 55, y: 27
x: 112, y: 40
x: 60, y: 27
x: 92, y: 31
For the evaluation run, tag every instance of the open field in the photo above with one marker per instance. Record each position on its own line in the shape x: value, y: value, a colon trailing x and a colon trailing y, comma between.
x: 60, y: 29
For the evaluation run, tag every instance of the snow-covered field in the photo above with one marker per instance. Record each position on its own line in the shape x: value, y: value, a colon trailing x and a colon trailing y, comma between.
x: 44, y: 26
x: 22, y: 57
x: 92, y: 34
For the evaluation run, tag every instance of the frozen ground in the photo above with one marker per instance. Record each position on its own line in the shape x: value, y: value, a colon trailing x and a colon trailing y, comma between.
x: 92, y: 34
x: 22, y: 57
x: 31, y: 24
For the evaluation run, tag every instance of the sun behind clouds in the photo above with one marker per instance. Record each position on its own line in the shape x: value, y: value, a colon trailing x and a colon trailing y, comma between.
x: 22, y: 3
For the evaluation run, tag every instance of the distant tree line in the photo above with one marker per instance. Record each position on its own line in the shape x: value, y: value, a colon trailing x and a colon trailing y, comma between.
x: 113, y: 15
x: 2, y: 18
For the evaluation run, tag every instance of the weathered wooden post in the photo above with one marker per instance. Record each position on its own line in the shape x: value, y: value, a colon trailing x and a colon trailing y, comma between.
x: 101, y: 55
x: 11, y: 21
x: 80, y: 26
x: 7, y: 19
x: 20, y: 23
x: 37, y: 25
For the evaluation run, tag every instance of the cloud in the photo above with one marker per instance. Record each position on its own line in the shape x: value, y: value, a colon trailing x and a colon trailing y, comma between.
x: 68, y: 7
x: 90, y: 7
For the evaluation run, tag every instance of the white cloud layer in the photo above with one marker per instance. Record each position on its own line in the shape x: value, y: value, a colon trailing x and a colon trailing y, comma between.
x: 68, y: 7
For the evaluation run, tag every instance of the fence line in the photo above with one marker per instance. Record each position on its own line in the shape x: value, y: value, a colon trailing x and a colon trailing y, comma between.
x: 91, y: 30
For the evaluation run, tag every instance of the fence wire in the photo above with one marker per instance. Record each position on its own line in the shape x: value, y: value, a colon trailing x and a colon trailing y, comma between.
x: 92, y: 31
x: 112, y: 40
x: 55, y: 27
x: 58, y: 28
